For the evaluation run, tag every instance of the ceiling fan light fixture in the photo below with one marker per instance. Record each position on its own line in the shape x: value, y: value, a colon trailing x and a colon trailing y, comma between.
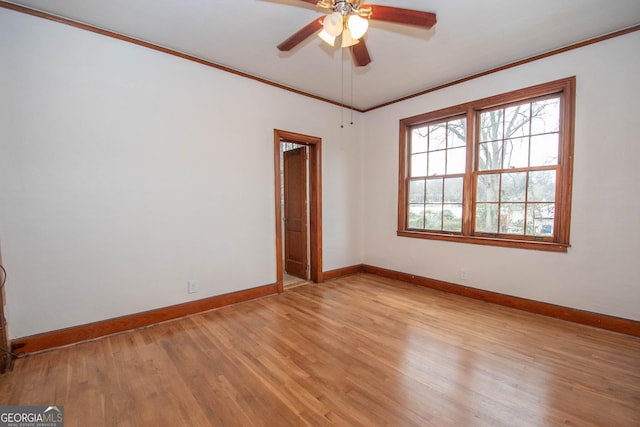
x: 333, y: 24
x: 357, y: 26
x: 327, y: 38
x: 347, y: 39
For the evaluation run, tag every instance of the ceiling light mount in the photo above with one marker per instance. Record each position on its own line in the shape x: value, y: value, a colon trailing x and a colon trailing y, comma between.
x: 346, y: 20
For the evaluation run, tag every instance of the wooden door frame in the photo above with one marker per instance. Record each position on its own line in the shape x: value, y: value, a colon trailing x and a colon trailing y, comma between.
x: 315, y: 202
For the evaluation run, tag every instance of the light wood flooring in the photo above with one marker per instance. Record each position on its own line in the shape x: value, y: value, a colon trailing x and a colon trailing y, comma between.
x: 357, y: 351
x: 290, y: 281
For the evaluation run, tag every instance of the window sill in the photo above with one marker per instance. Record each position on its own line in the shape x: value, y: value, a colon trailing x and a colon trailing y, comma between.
x: 490, y: 241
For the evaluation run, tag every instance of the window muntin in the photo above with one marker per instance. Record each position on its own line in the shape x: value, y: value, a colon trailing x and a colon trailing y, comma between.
x: 494, y: 171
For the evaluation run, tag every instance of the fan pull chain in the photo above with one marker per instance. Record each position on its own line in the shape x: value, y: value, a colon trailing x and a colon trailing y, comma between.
x: 342, y: 106
x: 341, y: 88
x: 351, y: 100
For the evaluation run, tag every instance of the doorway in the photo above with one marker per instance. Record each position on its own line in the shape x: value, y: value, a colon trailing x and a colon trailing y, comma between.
x: 298, y: 202
x: 295, y: 211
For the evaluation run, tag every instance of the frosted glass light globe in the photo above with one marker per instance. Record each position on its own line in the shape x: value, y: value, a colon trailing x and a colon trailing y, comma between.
x: 358, y: 26
x: 333, y: 24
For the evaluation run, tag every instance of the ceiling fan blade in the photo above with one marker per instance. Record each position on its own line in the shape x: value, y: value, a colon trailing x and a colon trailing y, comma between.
x: 360, y: 54
x: 299, y: 36
x: 401, y: 16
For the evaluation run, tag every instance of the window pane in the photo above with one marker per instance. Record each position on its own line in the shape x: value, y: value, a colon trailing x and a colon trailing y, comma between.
x: 416, y: 216
x: 488, y: 188
x: 540, y: 217
x: 452, y: 217
x: 438, y: 136
x: 456, y: 160
x: 434, y: 190
x: 516, y: 121
x: 516, y: 153
x: 490, y: 156
x: 419, y: 164
x: 544, y: 150
x: 437, y: 163
x: 416, y: 191
x: 453, y: 190
x: 545, y: 116
x: 542, y: 186
x: 491, y: 125
x: 512, y: 218
x: 433, y: 217
x: 513, y: 187
x: 457, y: 133
x: 419, y: 140
x: 487, y: 217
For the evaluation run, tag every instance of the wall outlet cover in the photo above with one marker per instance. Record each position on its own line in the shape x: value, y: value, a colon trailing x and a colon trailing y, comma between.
x: 192, y: 286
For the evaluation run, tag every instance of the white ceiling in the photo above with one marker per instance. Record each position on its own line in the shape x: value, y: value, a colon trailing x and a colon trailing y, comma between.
x: 471, y: 36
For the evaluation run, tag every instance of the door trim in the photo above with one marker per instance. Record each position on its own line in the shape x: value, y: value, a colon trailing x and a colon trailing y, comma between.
x: 315, y: 202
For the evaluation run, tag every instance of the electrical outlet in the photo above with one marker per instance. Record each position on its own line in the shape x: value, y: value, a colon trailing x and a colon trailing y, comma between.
x: 193, y: 286
x: 463, y: 274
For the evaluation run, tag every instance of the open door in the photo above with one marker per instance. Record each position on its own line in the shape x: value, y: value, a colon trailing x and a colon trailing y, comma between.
x: 295, y: 212
x: 313, y: 263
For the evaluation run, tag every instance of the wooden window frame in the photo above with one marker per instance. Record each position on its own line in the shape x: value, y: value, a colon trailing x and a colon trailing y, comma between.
x: 565, y: 88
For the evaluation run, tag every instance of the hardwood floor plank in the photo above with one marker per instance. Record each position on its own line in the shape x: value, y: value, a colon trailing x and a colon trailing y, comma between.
x: 361, y: 350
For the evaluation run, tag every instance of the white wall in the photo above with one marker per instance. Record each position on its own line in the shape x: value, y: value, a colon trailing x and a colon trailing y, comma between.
x: 597, y: 274
x: 125, y: 172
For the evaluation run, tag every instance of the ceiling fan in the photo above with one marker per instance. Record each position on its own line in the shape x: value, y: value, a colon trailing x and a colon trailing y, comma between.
x: 349, y: 20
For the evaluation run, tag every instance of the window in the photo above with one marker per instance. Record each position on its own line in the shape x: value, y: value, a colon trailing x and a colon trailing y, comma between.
x: 495, y: 171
